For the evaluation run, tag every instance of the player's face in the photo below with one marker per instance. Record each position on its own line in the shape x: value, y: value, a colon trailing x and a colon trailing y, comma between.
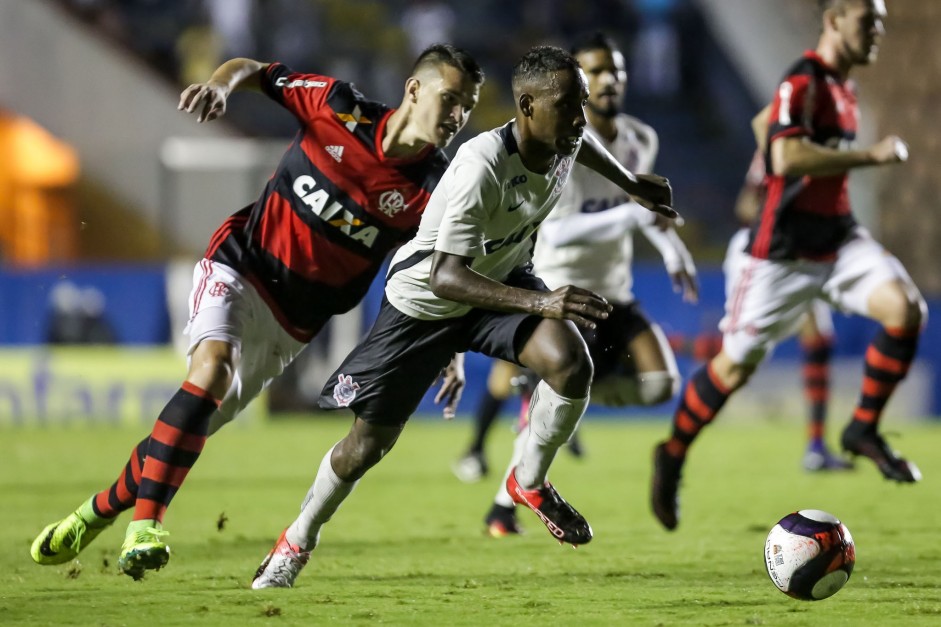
x: 558, y: 113
x: 861, y: 27
x: 607, y: 80
x: 444, y: 104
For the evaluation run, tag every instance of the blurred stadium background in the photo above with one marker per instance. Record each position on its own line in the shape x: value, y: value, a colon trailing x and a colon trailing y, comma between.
x: 108, y: 194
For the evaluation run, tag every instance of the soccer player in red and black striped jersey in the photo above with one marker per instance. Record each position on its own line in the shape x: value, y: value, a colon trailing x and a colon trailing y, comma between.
x: 815, y: 330
x: 350, y: 188
x: 807, y: 245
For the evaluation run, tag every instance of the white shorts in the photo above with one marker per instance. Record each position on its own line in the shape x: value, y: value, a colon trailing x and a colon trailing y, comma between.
x: 766, y: 298
x: 224, y: 306
x: 736, y: 259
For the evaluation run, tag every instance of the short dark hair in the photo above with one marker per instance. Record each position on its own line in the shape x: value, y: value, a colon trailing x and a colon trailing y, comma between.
x: 446, y: 54
x: 540, y: 61
x: 596, y: 40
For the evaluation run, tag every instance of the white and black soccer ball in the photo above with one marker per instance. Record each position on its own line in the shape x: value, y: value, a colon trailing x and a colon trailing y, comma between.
x: 810, y: 555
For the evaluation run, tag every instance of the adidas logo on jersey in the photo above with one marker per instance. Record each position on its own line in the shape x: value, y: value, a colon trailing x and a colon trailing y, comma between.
x: 336, y: 152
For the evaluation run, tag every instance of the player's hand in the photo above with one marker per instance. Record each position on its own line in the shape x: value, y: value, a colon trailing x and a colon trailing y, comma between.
x: 890, y: 150
x: 654, y: 192
x: 686, y: 284
x: 206, y: 99
x: 581, y: 306
x: 452, y: 386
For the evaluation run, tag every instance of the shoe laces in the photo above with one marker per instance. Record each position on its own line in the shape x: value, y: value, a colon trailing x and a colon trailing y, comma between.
x: 284, y: 564
x: 69, y: 529
x: 300, y: 557
x: 552, y: 498
x: 77, y: 532
x: 149, y: 534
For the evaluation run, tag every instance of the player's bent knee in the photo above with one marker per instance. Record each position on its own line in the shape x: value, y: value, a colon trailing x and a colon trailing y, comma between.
x: 648, y: 388
x: 657, y: 387
x: 916, y: 314
x: 574, y: 380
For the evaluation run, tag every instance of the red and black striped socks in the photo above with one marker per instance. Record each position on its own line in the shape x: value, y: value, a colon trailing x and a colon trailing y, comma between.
x: 702, y: 399
x: 816, y: 376
x: 175, y: 444
x: 888, y: 359
x: 123, y: 493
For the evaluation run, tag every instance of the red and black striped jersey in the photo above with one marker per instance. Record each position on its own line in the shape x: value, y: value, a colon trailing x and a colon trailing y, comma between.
x: 334, y: 207
x: 804, y: 216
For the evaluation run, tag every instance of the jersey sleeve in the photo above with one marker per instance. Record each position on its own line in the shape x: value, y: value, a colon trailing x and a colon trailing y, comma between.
x: 639, y: 216
x: 792, y: 109
x: 301, y: 94
x: 649, y: 156
x: 472, y: 191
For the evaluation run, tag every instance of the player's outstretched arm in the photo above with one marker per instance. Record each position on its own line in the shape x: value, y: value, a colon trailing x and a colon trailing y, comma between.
x: 208, y: 99
x: 759, y: 127
x: 649, y: 190
x: 453, y: 279
x: 676, y: 258
x: 585, y: 229
x: 798, y: 156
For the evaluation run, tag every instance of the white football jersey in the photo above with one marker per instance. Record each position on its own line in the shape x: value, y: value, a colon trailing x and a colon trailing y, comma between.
x: 603, y: 266
x: 486, y: 206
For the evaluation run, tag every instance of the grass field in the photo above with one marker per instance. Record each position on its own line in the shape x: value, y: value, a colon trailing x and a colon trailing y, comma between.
x: 407, y: 548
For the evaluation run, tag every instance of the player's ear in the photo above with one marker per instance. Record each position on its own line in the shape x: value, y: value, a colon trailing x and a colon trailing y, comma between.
x: 830, y: 18
x: 526, y: 104
x: 412, y: 87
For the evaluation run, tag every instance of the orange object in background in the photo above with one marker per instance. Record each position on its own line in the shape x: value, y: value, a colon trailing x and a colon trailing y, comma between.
x: 38, y: 215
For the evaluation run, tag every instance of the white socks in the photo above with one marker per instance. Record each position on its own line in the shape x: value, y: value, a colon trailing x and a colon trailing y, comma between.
x: 323, y: 499
x: 552, y: 421
x: 503, y: 497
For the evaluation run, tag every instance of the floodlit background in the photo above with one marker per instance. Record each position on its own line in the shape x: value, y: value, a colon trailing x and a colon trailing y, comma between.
x: 108, y: 194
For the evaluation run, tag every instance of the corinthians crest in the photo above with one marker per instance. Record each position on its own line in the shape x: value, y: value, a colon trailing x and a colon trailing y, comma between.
x: 345, y: 390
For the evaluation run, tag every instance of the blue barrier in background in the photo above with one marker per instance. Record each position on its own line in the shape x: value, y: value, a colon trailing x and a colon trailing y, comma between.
x: 135, y: 308
x: 134, y: 299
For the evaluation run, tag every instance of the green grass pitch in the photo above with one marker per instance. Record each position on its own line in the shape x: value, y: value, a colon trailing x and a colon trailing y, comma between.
x: 407, y: 548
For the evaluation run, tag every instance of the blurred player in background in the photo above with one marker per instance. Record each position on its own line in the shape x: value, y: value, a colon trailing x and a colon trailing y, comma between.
x: 504, y: 381
x: 465, y: 283
x: 815, y: 329
x: 350, y: 188
x: 587, y: 241
x: 807, y: 245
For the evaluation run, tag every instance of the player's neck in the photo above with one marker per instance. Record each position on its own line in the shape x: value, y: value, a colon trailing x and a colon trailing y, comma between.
x: 399, y: 141
x: 533, y: 154
x: 830, y: 55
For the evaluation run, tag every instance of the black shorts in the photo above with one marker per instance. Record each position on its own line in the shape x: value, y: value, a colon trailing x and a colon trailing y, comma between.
x: 607, y: 342
x: 385, y: 377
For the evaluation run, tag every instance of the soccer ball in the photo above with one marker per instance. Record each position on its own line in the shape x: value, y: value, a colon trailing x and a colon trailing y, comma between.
x: 810, y: 555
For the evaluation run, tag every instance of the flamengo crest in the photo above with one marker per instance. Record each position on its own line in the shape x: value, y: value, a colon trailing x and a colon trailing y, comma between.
x: 391, y: 202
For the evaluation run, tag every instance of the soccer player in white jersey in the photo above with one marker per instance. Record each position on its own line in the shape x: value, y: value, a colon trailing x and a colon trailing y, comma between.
x: 587, y: 241
x: 463, y: 283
